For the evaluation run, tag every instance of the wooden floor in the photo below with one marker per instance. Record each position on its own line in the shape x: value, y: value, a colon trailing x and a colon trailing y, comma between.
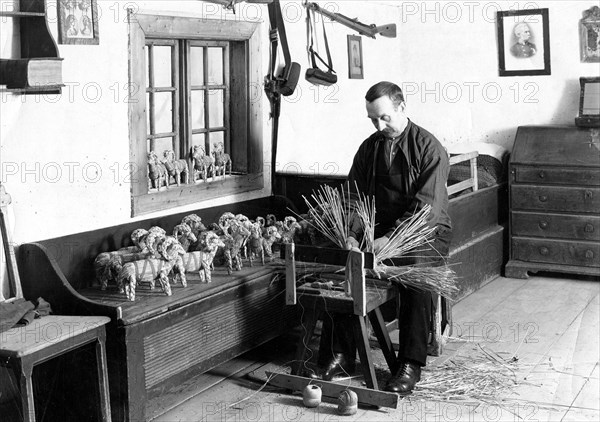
x: 543, y: 332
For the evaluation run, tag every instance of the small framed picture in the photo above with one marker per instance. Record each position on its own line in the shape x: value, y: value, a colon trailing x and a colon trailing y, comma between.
x: 78, y: 22
x: 523, y: 42
x: 589, y: 33
x: 355, y: 57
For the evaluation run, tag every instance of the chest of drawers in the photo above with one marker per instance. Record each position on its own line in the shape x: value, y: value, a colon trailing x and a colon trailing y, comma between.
x: 554, y: 193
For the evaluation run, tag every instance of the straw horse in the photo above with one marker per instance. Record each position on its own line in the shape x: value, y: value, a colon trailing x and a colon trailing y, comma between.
x: 204, y: 165
x: 176, y: 168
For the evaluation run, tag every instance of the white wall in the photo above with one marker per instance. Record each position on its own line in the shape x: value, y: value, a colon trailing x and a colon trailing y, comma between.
x: 64, y: 158
x: 445, y: 57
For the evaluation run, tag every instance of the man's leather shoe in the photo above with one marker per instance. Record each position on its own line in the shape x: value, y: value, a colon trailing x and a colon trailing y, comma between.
x: 404, y: 381
x: 339, y: 364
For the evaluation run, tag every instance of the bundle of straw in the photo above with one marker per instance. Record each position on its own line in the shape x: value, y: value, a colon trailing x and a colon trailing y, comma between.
x: 332, y: 214
x: 334, y: 211
x: 440, y: 280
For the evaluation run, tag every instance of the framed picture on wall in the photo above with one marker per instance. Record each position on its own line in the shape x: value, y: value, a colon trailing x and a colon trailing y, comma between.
x: 523, y: 42
x: 355, y: 57
x: 78, y: 22
x: 589, y: 33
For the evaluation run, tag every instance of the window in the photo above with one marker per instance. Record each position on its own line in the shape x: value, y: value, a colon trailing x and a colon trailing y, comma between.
x: 196, y: 126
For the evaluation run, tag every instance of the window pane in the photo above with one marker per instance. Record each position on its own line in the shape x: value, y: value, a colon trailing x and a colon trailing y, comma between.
x: 215, y: 107
x: 197, y: 109
x: 162, y: 66
x: 163, y: 112
x: 215, y: 66
x: 217, y: 141
x: 146, y: 54
x: 197, y: 65
x: 148, y: 114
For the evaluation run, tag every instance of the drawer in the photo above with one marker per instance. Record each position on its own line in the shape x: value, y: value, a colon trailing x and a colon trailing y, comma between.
x: 575, y: 227
x: 555, y: 198
x: 556, y: 175
x: 560, y: 252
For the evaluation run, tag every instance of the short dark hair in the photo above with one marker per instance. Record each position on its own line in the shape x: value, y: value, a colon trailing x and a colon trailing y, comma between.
x: 385, y: 89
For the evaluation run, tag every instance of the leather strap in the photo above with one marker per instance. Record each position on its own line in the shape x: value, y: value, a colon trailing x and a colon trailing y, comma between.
x: 310, y: 42
x: 278, y: 32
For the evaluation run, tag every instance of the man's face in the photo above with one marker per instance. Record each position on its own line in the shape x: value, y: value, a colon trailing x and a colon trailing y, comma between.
x: 386, y: 118
x: 523, y: 33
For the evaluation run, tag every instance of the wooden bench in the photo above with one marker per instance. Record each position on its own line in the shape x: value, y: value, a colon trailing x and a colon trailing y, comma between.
x: 158, y: 342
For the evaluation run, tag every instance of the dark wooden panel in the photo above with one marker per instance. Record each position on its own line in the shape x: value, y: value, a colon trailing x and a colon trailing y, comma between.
x: 583, y: 227
x: 556, y: 175
x: 560, y: 252
x: 555, y: 198
x: 551, y: 144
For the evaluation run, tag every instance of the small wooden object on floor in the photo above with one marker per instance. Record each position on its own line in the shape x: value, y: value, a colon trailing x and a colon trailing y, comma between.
x: 333, y: 390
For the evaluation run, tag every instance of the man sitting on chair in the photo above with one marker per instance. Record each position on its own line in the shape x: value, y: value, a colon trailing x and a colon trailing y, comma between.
x: 403, y: 167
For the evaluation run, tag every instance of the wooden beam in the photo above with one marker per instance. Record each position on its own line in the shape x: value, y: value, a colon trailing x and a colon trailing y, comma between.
x: 332, y: 389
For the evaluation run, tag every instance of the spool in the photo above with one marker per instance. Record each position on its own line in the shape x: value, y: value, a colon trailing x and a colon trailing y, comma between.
x: 311, y: 395
x: 347, y: 403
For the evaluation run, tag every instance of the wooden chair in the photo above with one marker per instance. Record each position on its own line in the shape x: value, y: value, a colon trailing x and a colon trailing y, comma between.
x: 23, y: 347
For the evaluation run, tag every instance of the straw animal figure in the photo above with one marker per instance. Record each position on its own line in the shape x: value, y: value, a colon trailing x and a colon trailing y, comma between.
x: 153, y: 238
x: 151, y: 270
x: 233, y: 238
x: 202, y: 260
x: 222, y: 160
x: 245, y: 221
x: 288, y: 230
x: 255, y: 243
x: 184, y: 235
x: 270, y: 236
x: 108, y: 264
x: 204, y: 165
x: 195, y: 223
x: 177, y: 169
x: 157, y: 172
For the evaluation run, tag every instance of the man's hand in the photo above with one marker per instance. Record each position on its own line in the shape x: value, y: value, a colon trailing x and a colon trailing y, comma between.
x: 379, y: 243
x: 352, y: 243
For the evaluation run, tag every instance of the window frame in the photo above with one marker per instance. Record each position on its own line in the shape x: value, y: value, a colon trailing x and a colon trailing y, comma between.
x: 245, y: 114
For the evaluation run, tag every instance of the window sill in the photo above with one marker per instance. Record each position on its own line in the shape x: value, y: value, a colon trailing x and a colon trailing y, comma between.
x: 175, y: 196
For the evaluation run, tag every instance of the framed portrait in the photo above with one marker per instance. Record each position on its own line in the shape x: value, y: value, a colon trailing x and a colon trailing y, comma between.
x: 523, y: 42
x: 355, y: 57
x: 589, y: 35
x: 78, y: 22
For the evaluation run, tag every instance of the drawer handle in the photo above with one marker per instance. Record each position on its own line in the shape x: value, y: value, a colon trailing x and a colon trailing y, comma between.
x: 589, y: 228
x: 543, y: 225
x: 544, y: 250
x: 589, y: 254
x: 588, y: 194
x: 543, y: 198
x: 542, y: 174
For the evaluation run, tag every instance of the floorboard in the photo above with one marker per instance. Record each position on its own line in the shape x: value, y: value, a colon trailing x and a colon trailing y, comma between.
x: 548, y: 327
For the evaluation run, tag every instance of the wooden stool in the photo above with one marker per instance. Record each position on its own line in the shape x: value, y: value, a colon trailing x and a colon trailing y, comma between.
x: 48, y: 337
x: 363, y: 300
x: 318, y: 302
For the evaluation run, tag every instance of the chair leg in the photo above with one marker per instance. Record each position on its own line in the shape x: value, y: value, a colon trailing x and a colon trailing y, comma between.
x: 103, y: 377
x: 435, y: 346
x: 364, y: 350
x: 383, y: 337
x: 23, y: 372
